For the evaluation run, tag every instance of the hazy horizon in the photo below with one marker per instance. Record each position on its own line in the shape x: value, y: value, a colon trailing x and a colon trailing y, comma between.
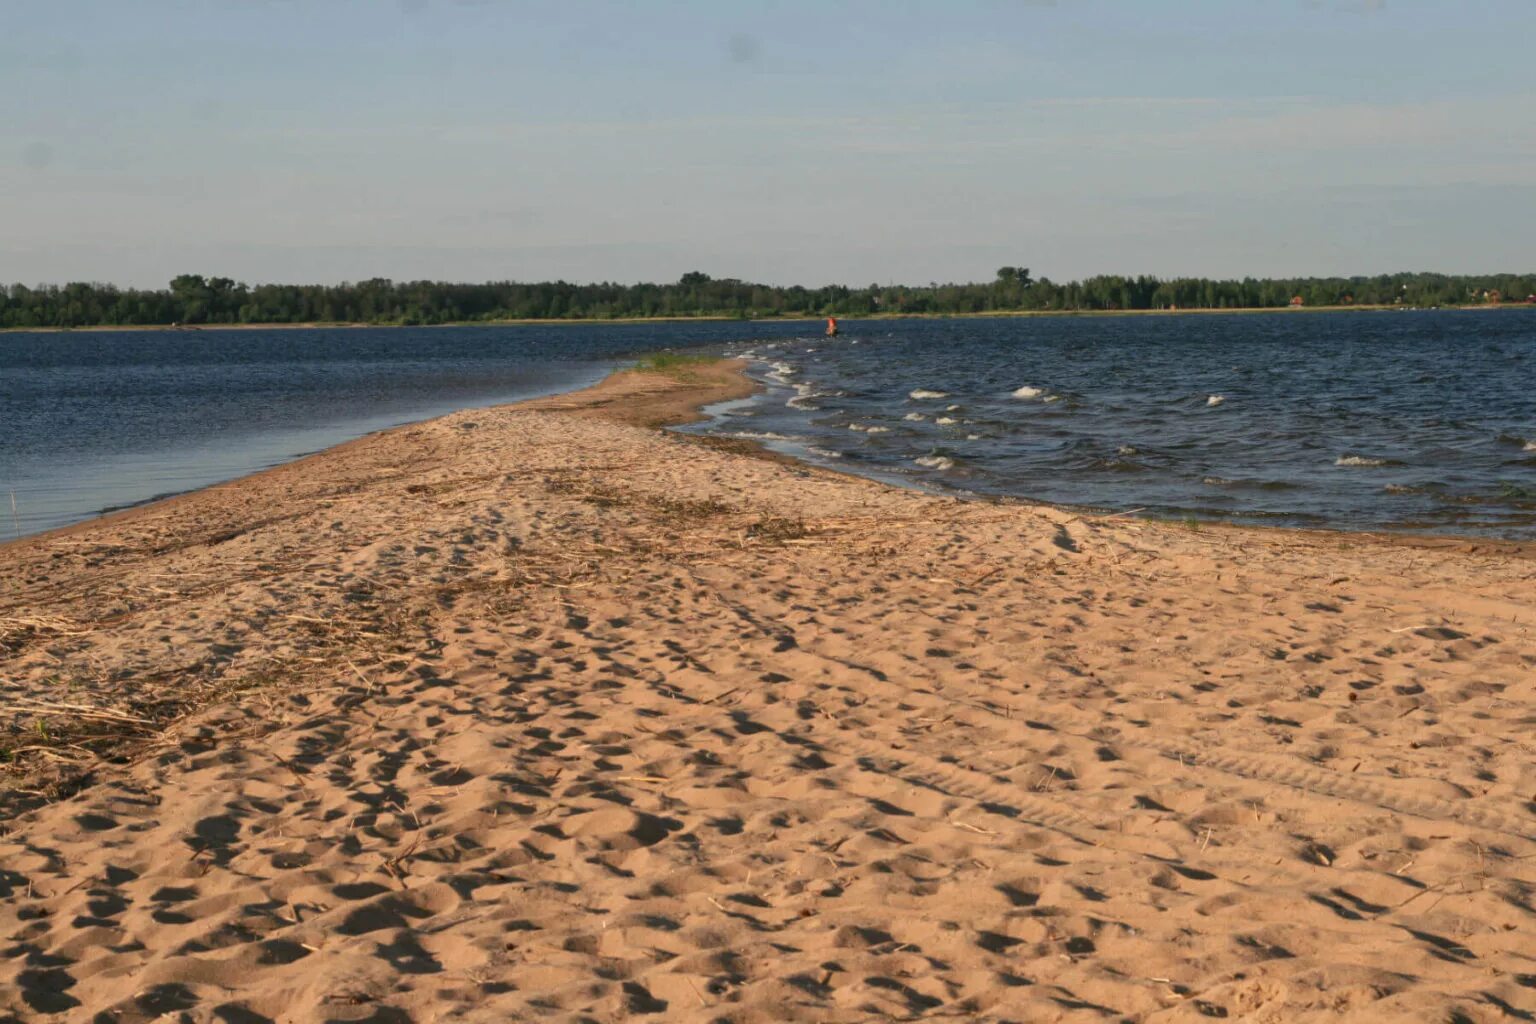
x: 780, y: 143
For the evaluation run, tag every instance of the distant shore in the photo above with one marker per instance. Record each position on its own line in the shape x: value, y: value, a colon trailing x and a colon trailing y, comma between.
x: 721, y: 318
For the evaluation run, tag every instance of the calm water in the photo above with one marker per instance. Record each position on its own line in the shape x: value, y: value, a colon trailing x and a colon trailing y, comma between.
x: 1416, y: 420
x: 1401, y: 420
x: 95, y: 421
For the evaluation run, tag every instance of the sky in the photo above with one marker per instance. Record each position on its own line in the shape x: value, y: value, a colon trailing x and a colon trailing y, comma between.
x: 783, y: 141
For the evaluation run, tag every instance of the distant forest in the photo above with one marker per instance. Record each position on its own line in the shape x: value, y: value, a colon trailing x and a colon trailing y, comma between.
x: 193, y: 299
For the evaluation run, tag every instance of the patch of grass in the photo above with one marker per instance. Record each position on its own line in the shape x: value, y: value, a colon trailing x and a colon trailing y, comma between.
x: 679, y: 365
x: 673, y: 510
x: 777, y: 529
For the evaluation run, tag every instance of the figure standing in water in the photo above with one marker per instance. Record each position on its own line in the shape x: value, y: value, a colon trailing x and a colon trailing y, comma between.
x: 831, y: 326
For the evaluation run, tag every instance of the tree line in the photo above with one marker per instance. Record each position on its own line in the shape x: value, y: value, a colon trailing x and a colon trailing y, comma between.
x: 194, y: 299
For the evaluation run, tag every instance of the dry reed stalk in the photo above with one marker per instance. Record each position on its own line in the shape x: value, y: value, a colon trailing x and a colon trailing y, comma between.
x: 86, y: 711
x: 40, y: 624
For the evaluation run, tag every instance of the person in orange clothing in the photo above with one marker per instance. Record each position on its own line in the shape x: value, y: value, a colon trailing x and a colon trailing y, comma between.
x: 831, y: 326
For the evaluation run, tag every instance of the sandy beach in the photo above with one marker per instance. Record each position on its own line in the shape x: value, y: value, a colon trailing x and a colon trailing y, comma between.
x: 543, y: 713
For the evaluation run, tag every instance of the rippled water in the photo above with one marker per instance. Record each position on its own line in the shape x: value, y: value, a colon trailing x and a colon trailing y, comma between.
x: 1415, y: 420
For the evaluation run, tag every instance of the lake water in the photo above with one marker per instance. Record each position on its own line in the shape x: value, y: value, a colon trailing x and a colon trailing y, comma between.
x: 1405, y: 420
x: 93, y: 421
x: 1415, y: 420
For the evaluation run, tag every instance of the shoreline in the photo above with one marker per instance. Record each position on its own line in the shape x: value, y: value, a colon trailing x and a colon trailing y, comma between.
x: 743, y: 386
x: 541, y: 709
x: 723, y: 318
x: 656, y: 413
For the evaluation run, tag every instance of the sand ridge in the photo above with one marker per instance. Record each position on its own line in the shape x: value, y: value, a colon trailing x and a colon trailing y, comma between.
x: 537, y: 713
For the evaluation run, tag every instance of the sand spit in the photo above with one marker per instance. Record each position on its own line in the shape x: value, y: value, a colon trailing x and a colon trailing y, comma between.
x: 537, y: 713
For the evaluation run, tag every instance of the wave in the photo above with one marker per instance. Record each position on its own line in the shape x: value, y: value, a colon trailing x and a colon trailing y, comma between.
x: 914, y: 417
x: 945, y: 421
x: 825, y: 453
x: 1028, y: 392
x: 1360, y: 460
x: 921, y: 393
x: 935, y: 462
x: 805, y: 397
x: 780, y: 372
x: 761, y: 435
x: 868, y: 430
x: 1215, y: 400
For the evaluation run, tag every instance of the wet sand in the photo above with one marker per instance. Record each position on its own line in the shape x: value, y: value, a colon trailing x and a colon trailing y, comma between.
x: 539, y: 712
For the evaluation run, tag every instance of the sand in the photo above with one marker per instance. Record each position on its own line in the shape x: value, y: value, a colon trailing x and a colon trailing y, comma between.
x: 540, y: 713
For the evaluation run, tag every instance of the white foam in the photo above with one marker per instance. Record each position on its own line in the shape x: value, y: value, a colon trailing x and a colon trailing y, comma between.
x: 914, y: 416
x: 922, y: 393
x: 1052, y: 398
x: 1126, y: 449
x: 1028, y: 392
x: 761, y: 435
x: 944, y: 421
x: 973, y: 437
x: 804, y: 397
x: 1358, y: 460
x: 1215, y: 400
x: 825, y: 453
x: 935, y: 462
x: 1530, y: 446
x: 861, y: 428
x: 951, y: 408
x: 780, y: 372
